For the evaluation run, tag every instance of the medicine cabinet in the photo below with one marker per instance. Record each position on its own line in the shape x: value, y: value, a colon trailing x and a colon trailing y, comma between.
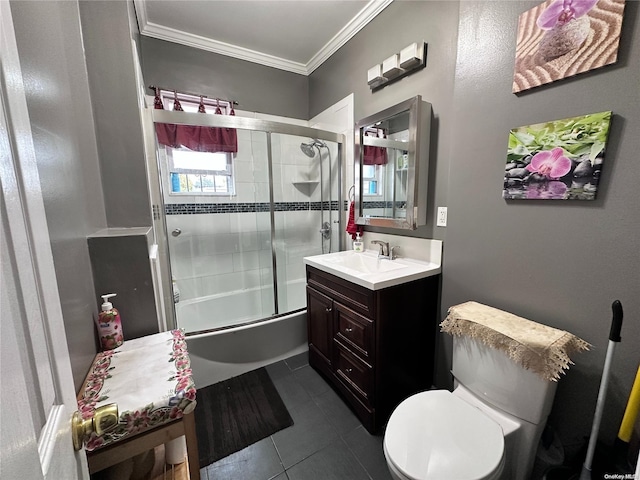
x: 392, y: 164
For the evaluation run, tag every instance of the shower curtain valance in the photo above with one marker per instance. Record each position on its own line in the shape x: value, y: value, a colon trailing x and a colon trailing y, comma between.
x: 375, y: 155
x: 194, y: 137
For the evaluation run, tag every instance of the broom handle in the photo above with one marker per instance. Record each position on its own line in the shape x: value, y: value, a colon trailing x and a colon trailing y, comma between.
x: 614, y: 337
x: 604, y: 384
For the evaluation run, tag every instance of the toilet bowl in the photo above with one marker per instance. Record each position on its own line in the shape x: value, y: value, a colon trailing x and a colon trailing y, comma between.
x: 436, y: 435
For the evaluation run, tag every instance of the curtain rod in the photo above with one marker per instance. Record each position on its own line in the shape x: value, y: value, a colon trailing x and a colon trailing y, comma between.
x: 231, y: 102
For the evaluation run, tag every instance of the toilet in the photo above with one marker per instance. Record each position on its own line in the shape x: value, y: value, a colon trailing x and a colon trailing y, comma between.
x: 487, y: 428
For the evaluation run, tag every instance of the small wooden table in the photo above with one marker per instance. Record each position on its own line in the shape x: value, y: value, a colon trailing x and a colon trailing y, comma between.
x: 150, y: 380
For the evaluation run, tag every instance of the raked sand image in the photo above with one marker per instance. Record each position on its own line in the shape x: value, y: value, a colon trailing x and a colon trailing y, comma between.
x: 561, y: 38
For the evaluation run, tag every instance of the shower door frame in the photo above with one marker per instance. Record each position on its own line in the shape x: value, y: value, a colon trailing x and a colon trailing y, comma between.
x: 269, y: 127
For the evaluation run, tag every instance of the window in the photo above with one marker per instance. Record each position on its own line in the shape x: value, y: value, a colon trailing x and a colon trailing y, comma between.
x: 200, y: 173
x: 371, y: 180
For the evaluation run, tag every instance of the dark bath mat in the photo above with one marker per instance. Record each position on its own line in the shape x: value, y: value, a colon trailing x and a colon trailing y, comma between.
x: 235, y: 413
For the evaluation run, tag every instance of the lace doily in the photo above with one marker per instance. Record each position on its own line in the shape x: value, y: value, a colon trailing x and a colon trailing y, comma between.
x: 536, y: 347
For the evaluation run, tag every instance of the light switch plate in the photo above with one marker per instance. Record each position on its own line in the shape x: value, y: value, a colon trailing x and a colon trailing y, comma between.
x: 442, y: 217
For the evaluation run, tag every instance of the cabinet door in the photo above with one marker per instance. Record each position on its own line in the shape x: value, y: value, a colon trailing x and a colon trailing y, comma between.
x: 355, y: 332
x: 319, y: 322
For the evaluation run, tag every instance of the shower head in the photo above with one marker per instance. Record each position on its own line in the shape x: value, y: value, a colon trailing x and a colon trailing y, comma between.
x: 307, y: 148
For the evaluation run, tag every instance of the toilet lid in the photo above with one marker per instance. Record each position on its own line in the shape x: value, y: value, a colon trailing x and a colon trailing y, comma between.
x: 436, y: 435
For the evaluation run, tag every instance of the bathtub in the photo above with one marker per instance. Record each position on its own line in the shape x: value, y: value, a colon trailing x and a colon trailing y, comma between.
x: 220, y: 355
x: 225, y: 353
x: 227, y: 309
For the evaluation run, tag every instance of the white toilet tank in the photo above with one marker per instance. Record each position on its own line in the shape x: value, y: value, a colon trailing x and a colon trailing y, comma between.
x: 492, y: 376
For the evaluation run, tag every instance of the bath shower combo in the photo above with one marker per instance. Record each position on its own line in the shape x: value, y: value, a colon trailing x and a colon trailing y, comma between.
x: 238, y: 258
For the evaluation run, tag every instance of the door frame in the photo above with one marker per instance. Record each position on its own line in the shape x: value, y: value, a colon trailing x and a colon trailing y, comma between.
x: 39, y: 396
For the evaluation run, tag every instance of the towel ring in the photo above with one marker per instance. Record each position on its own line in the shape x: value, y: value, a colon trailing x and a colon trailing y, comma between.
x: 352, y: 193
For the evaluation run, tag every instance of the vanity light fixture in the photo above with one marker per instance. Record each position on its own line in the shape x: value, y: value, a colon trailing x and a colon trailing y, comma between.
x: 410, y: 59
x: 374, y: 76
x: 391, y: 66
x: 412, y: 56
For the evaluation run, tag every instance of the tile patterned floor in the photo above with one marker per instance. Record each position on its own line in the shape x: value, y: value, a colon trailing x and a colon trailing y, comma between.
x: 326, y: 441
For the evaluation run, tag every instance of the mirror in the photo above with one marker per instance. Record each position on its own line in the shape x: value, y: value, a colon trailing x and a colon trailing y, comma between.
x: 391, y: 166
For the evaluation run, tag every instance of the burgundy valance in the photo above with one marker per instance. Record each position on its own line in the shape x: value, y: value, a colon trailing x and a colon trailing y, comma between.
x: 195, y: 137
x: 375, y: 155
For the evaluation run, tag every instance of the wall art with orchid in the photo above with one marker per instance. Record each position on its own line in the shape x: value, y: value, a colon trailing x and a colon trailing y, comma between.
x: 557, y: 160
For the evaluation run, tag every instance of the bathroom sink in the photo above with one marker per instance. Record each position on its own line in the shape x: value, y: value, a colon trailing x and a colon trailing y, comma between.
x: 363, y: 262
x: 367, y: 270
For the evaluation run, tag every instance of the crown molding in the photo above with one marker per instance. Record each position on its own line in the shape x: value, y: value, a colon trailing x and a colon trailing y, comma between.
x: 177, y: 36
x: 357, y: 23
x: 150, y: 29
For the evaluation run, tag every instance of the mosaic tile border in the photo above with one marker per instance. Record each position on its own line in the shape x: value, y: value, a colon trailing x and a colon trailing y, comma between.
x: 384, y: 204
x: 203, y: 208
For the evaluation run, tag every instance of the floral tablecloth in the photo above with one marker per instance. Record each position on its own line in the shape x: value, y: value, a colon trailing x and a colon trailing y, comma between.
x: 149, y: 378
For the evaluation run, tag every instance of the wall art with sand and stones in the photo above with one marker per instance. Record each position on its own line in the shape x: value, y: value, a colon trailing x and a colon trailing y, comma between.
x: 562, y: 38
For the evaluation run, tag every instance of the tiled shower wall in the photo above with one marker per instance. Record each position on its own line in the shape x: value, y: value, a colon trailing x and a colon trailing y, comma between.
x: 225, y: 244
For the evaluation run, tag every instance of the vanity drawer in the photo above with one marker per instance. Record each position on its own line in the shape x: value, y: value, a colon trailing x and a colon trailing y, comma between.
x: 354, y: 331
x: 353, y: 372
x: 356, y: 297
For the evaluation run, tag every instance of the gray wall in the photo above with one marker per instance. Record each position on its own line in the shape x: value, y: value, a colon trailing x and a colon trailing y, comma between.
x: 257, y: 88
x: 55, y: 76
x: 561, y: 263
x: 399, y: 25
x: 88, y: 141
x: 120, y: 261
x: 109, y: 28
x: 107, y: 36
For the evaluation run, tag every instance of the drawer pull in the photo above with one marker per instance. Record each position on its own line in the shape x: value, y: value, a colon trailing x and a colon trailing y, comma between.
x: 348, y: 330
x: 348, y: 370
x: 328, y: 309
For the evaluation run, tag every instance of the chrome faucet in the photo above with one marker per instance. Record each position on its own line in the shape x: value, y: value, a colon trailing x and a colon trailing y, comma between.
x: 385, y: 252
x: 384, y: 248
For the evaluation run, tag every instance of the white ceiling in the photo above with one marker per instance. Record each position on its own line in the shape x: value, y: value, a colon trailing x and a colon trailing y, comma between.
x: 292, y: 35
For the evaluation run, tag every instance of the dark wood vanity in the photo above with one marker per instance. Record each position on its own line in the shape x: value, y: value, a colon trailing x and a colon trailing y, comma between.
x: 376, y: 347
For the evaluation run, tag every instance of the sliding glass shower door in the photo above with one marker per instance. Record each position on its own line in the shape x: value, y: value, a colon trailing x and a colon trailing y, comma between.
x: 239, y: 225
x: 219, y: 241
x: 307, y: 218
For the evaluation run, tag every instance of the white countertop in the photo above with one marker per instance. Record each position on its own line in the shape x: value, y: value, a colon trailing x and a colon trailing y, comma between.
x: 366, y: 270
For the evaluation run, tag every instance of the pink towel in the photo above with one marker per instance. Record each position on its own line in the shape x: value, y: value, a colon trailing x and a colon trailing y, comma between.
x: 352, y: 228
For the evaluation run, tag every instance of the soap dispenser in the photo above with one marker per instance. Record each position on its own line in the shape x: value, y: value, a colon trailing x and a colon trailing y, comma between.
x: 109, y: 325
x: 358, y: 245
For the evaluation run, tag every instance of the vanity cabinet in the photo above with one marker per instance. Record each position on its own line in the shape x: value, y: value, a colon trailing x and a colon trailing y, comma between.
x: 376, y: 347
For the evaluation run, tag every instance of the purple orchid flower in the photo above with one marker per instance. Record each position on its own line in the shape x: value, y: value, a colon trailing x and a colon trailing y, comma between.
x: 552, y: 164
x: 561, y: 12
